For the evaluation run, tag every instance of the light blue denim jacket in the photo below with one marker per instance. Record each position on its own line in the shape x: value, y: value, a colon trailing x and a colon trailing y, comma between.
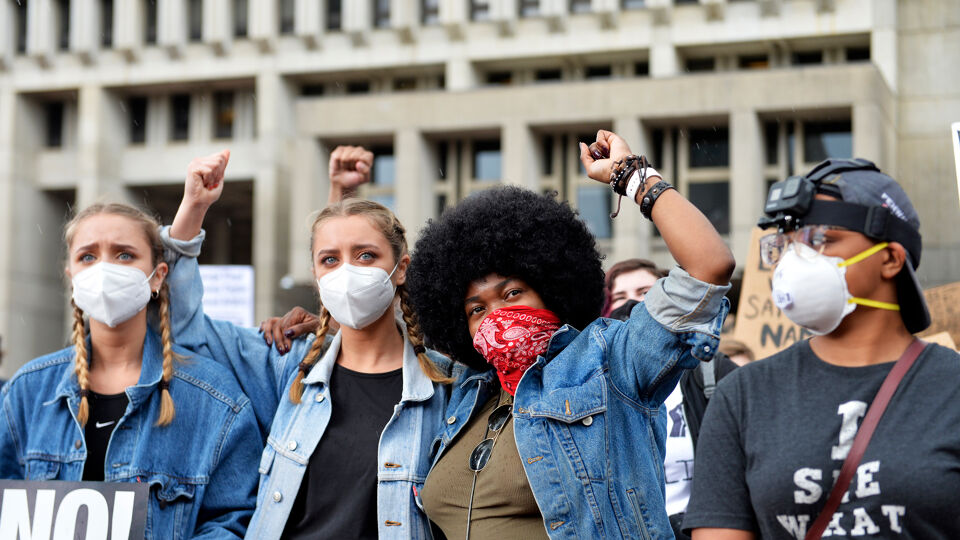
x: 201, y: 485
x: 294, y: 430
x: 589, y: 419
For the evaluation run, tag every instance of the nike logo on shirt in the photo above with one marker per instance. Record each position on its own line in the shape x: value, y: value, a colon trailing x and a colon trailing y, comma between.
x: 105, y: 424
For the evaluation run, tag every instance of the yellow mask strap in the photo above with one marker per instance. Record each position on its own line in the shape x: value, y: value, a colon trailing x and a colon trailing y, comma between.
x: 863, y: 254
x: 874, y: 304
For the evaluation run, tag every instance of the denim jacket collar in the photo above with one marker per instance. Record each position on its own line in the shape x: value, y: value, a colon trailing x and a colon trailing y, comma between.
x: 151, y: 371
x: 416, y: 385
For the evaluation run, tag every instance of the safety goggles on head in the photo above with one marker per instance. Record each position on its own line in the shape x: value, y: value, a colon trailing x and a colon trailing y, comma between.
x: 774, y: 245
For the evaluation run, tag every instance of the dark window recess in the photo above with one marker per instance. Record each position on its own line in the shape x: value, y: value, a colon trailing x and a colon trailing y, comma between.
x: 633, y: 4
x: 196, y: 20
x: 753, y: 61
x: 593, y: 205
x: 771, y: 136
x: 823, y: 140
x: 179, y: 117
x: 529, y: 8
x: 547, y: 156
x: 686, y: 1
x: 700, y: 64
x: 804, y: 58
x: 21, y: 26
x: 150, y: 22
x: 499, y: 77
x: 580, y: 6
x: 479, y: 10
x: 857, y: 54
x: 430, y: 12
x: 223, y: 110
x: 63, y: 24
x: 641, y: 69
x: 548, y: 75
x: 358, y: 87
x: 713, y: 199
x: 137, y: 109
x: 404, y: 84
x: 709, y: 147
x: 442, y: 152
x: 486, y: 160
x: 334, y: 14
x: 106, y: 23
x: 381, y: 13
x: 54, y: 120
x: 384, y: 166
x: 312, y: 89
x: 241, y: 13
x: 598, y: 72
x: 441, y: 203
x: 656, y: 139
x: 287, y: 11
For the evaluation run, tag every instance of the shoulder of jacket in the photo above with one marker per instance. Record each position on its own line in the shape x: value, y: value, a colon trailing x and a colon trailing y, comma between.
x: 210, y: 378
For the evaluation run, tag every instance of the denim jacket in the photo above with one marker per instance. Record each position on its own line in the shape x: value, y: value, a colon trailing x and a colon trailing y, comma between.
x: 197, y: 467
x: 589, y: 420
x: 293, y: 431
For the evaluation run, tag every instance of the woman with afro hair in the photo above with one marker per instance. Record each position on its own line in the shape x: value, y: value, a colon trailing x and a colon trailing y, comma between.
x: 557, y: 429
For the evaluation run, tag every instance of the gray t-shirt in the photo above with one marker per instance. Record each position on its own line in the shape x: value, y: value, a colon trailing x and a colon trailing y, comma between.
x: 777, y: 431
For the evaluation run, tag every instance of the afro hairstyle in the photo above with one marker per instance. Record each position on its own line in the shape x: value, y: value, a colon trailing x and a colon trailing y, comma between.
x: 512, y: 232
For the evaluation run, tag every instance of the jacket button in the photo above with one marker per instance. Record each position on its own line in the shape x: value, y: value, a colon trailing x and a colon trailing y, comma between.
x: 451, y: 420
x: 77, y: 444
x: 292, y: 445
x: 588, y: 420
x: 277, y: 496
x: 319, y: 397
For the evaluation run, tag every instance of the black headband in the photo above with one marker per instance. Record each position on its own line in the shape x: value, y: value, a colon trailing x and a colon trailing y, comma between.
x: 876, y: 222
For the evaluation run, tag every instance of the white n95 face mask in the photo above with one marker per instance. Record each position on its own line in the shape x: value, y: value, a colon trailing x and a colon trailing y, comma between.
x: 356, y: 296
x: 111, y: 293
x: 811, y: 288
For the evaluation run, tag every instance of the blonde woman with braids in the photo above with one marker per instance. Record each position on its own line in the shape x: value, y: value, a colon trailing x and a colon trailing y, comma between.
x: 123, y: 404
x: 351, y: 418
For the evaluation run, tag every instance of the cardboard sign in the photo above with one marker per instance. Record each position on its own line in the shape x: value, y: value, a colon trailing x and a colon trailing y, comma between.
x: 944, y: 305
x: 228, y: 292
x: 72, y: 510
x: 760, y: 323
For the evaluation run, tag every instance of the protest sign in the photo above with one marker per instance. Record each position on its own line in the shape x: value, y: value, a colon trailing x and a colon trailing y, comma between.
x: 228, y: 293
x: 72, y: 510
x: 944, y: 305
x: 760, y: 323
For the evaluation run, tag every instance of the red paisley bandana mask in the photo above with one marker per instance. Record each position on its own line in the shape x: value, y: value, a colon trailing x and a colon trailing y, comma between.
x: 511, y: 338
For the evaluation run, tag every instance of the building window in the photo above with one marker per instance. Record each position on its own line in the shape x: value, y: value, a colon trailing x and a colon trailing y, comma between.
x: 179, y: 117
x: 709, y: 147
x: 479, y: 10
x: 358, y: 87
x: 753, y: 61
x: 499, y: 78
x: 593, y: 204
x: 824, y: 140
x: 429, y: 12
x: 694, y: 65
x: 562, y: 173
x: 106, y: 23
x: 150, y: 22
x: 529, y: 8
x: 633, y: 4
x: 382, y: 178
x: 241, y: 12
x: 857, y: 54
x: 137, y: 108
x: 404, y: 84
x: 312, y: 89
x: 223, y: 113
x: 63, y: 24
x: 713, y: 199
x: 21, y: 16
x: 641, y: 69
x: 803, y: 58
x: 334, y: 14
x: 286, y: 16
x: 697, y: 159
x: 548, y: 75
x: 196, y: 20
x: 580, y: 6
x: 54, y: 124
x: 486, y: 161
x: 598, y: 72
x: 381, y: 13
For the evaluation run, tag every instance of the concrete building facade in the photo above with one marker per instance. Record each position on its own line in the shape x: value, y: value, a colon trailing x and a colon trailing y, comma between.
x: 110, y: 99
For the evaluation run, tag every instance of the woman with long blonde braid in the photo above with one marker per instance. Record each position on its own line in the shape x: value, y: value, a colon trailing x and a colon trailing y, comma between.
x: 350, y: 418
x: 103, y: 409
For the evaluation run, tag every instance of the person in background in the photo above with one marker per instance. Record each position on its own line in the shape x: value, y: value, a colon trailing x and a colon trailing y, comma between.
x: 737, y: 351
x: 123, y: 403
x: 629, y: 280
x: 778, y: 431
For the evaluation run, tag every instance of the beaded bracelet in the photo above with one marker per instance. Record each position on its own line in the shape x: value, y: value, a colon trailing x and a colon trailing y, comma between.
x: 622, y: 173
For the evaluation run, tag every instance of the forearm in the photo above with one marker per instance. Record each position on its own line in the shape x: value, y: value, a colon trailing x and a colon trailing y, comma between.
x: 189, y: 220
x: 339, y: 193
x: 692, y: 240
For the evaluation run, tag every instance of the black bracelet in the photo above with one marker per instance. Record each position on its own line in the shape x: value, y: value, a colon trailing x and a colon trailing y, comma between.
x: 651, y: 196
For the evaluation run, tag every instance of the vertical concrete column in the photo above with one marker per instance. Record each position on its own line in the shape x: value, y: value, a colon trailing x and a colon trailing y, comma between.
x: 128, y: 19
x: 664, y: 60
x: 8, y: 227
x: 308, y: 194
x: 414, y: 180
x: 871, y: 132
x: 746, y: 179
x: 518, y: 154
x: 85, y: 27
x: 883, y: 40
x: 631, y: 232
x: 172, y: 24
x: 8, y: 33
x: 275, y: 120
x: 100, y: 132
x: 460, y: 74
x: 41, y: 31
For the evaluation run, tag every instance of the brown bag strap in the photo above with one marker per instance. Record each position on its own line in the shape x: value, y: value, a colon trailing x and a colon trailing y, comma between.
x: 862, y: 439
